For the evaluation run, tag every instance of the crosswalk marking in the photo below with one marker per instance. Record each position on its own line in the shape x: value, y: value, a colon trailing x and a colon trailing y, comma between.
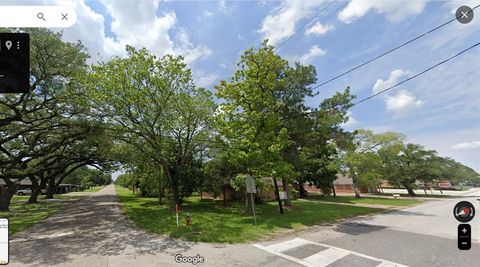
x: 323, y: 257
x: 326, y: 257
x: 283, y: 246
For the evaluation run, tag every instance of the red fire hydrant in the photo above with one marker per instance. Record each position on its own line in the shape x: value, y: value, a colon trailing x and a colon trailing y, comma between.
x: 188, y: 219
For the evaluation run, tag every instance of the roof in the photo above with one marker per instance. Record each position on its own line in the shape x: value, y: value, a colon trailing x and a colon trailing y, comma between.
x: 24, y: 181
x: 342, y: 180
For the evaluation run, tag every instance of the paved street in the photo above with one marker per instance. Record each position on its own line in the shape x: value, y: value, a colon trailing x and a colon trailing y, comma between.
x: 95, y: 233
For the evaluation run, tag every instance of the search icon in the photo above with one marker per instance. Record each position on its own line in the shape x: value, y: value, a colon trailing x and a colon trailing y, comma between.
x: 40, y: 16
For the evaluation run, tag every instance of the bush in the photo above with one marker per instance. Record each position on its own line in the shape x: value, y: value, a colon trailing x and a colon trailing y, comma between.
x: 294, y: 194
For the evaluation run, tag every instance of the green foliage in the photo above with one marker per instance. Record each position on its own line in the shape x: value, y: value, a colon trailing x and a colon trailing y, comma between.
x: 87, y: 177
x: 363, y: 161
x: 155, y: 108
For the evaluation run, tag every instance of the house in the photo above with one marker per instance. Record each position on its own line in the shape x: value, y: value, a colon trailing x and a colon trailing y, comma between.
x: 26, y: 183
x: 343, y: 184
x: 23, y: 184
x: 232, y: 194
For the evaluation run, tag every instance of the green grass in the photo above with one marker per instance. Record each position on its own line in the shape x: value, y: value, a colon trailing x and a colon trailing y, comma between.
x: 22, y: 215
x: 94, y: 189
x: 366, y: 200
x: 212, y: 222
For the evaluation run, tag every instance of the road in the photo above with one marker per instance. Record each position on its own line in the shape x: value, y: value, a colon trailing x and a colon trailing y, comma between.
x: 93, y: 232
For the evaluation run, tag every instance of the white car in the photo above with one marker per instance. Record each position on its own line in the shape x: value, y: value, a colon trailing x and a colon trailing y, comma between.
x: 26, y: 191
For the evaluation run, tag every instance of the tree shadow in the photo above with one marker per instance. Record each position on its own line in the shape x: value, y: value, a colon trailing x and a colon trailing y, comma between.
x: 358, y: 228
x: 92, y: 226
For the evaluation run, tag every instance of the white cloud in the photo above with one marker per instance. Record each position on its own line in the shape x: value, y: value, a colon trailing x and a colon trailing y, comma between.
x: 134, y: 23
x: 188, y: 50
x: 207, y: 13
x: 403, y: 103
x: 467, y: 145
x: 203, y: 79
x: 351, y: 121
x: 318, y: 29
x: 314, y: 52
x: 445, y: 141
x: 393, y: 79
x: 394, y: 10
x: 280, y: 23
x: 222, y: 6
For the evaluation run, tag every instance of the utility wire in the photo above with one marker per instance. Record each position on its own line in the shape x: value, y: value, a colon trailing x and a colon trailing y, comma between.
x: 397, y: 84
x: 416, y: 75
x: 389, y: 51
x: 211, y: 141
x: 304, y: 26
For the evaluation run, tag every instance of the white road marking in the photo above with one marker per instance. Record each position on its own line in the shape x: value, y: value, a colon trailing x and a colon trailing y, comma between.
x: 296, y: 242
x: 322, y: 258
x: 326, y: 257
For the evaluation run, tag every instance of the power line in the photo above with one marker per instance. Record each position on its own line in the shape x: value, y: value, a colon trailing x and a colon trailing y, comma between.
x: 388, y: 52
x: 399, y: 83
x: 304, y: 26
x: 211, y: 141
x: 416, y: 75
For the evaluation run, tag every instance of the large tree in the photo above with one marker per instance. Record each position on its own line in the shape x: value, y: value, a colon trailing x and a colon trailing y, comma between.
x: 362, y: 161
x: 319, y: 153
x: 26, y: 120
x: 258, y: 102
x: 153, y: 105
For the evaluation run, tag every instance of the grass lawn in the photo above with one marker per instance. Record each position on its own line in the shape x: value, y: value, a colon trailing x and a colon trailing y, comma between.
x: 22, y: 215
x: 94, y: 189
x: 212, y: 222
x: 366, y: 200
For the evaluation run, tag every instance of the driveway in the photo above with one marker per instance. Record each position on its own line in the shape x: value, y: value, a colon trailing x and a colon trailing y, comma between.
x: 93, y: 232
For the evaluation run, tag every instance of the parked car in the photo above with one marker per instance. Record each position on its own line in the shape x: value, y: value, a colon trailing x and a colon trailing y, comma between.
x: 26, y: 191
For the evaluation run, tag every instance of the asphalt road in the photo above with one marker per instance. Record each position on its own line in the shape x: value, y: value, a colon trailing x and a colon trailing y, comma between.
x: 95, y: 233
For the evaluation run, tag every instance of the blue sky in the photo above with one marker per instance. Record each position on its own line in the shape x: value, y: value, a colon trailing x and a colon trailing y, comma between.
x: 439, y: 109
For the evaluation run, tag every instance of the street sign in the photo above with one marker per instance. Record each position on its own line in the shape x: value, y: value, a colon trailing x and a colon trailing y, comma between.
x: 252, y: 190
x: 283, y: 195
x: 250, y: 184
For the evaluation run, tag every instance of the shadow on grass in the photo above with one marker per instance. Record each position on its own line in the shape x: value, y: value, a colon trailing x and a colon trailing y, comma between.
x: 214, y: 222
x: 88, y: 227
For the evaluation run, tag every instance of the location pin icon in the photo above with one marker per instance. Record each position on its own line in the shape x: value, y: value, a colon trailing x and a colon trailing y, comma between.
x: 8, y: 44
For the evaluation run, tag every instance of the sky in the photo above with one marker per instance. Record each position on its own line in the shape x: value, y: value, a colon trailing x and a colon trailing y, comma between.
x: 440, y: 109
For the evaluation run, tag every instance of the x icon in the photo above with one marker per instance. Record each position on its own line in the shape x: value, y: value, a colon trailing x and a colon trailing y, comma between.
x: 64, y: 16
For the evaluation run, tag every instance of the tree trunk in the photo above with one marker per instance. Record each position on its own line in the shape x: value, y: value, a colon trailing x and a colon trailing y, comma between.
x: 301, y: 190
x: 224, y: 195
x: 6, y: 194
x: 333, y: 190
x: 355, y: 187
x: 160, y: 193
x: 36, y: 191
x: 410, y: 191
x: 176, y: 193
x: 288, y: 201
x: 50, y: 188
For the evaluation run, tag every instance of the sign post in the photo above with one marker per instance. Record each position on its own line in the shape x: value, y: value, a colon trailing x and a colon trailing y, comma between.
x: 176, y: 211
x: 250, y: 182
